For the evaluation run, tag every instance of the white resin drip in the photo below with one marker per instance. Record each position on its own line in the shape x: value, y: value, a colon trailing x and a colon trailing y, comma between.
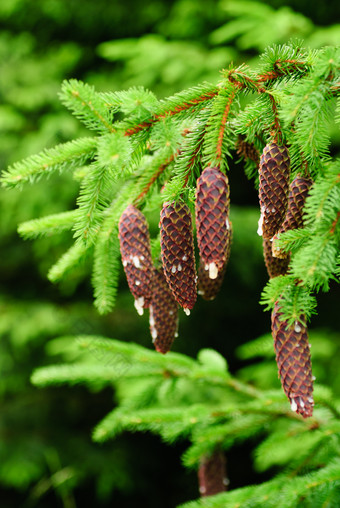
x: 137, y: 283
x: 151, y: 318
x: 200, y: 292
x: 176, y: 335
x: 152, y: 324
x: 125, y: 262
x: 213, y: 271
x: 293, y: 405
x: 136, y: 262
x: 179, y: 267
x: 227, y: 225
x: 297, y: 327
x: 185, y: 258
x: 260, y: 224
x: 139, y: 303
x: 187, y: 311
x: 173, y: 269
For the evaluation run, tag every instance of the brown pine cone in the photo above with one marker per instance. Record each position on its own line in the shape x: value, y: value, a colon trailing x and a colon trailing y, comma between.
x: 275, y: 266
x: 294, y: 362
x: 247, y: 150
x: 212, y: 219
x: 208, y: 288
x: 212, y: 474
x: 177, y: 248
x: 163, y: 314
x: 274, y: 174
x: 298, y: 193
x: 136, y: 255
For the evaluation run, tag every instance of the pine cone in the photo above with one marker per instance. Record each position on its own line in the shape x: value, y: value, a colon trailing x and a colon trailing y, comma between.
x: 212, y: 474
x: 177, y: 247
x: 294, y: 362
x: 212, y: 221
x: 298, y: 193
x: 247, y: 150
x: 136, y: 255
x: 208, y: 288
x: 163, y: 314
x: 274, y: 265
x: 274, y: 174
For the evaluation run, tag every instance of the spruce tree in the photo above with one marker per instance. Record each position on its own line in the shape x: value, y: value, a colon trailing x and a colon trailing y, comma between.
x: 147, y: 154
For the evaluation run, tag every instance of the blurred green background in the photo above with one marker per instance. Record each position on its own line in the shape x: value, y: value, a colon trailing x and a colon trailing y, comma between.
x: 46, y: 454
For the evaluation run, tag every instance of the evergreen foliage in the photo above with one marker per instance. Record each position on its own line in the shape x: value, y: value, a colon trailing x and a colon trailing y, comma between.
x: 143, y: 144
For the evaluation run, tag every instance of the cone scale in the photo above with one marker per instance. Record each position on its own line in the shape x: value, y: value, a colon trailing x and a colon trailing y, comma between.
x: 212, y: 220
x: 163, y: 315
x: 135, y: 250
x: 274, y: 171
x: 298, y: 193
x: 294, y: 362
x: 177, y: 249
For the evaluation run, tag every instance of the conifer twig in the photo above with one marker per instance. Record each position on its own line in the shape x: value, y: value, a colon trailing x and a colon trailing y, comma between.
x: 171, y: 112
x: 154, y: 177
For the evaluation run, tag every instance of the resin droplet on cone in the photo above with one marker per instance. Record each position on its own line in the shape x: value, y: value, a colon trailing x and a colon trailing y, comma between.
x: 135, y: 250
x: 275, y: 266
x: 177, y: 248
x: 212, y: 476
x: 294, y: 362
x: 212, y: 220
x: 208, y: 288
x: 274, y: 174
x: 163, y: 314
x: 298, y: 193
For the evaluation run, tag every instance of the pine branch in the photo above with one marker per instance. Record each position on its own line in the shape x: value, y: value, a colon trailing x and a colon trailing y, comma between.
x: 87, y: 105
x: 188, y: 161
x: 96, y: 190
x: 66, y: 156
x: 68, y: 261
x: 219, y: 136
x: 105, y: 275
x: 48, y: 225
x: 321, y: 486
x: 294, y: 299
x: 193, y: 98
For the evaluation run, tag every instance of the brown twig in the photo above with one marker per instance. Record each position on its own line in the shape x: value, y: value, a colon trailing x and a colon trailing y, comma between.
x: 171, y: 112
x: 223, y: 124
x: 154, y: 177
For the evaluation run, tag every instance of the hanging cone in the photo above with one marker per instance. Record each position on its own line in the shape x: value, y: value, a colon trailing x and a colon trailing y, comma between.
x: 274, y: 265
x: 163, y: 314
x: 208, y: 288
x: 298, y: 193
x: 212, y: 474
x: 294, y: 362
x: 247, y: 150
x: 274, y: 174
x: 212, y: 219
x: 177, y: 248
x: 136, y: 255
